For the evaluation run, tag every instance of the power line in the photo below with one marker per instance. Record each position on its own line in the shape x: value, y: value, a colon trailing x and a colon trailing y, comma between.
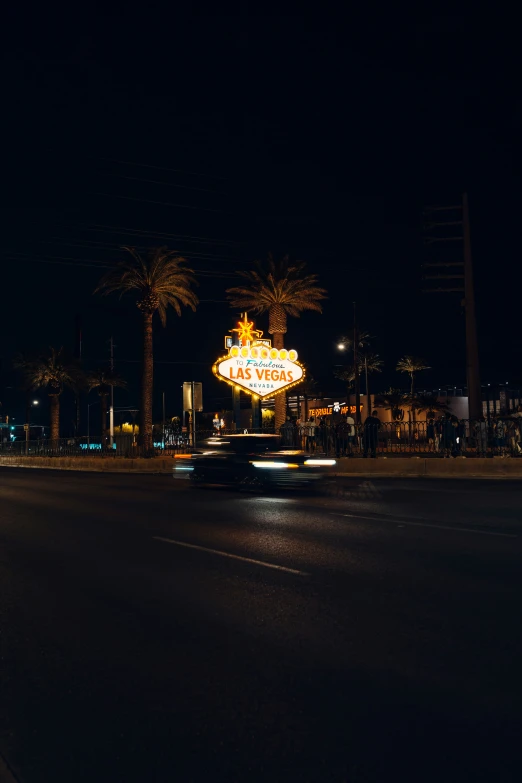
x: 162, y: 203
x: 108, y: 246
x: 159, y: 182
x: 144, y: 232
x: 94, y: 264
x: 160, y: 168
x: 103, y: 228
x: 156, y: 361
x: 97, y: 227
x: 60, y: 263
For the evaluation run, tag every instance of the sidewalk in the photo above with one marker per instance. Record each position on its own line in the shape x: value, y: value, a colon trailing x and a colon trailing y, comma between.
x: 459, y: 467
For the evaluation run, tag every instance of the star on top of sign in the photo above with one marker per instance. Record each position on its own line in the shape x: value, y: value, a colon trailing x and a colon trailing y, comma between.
x: 246, y: 332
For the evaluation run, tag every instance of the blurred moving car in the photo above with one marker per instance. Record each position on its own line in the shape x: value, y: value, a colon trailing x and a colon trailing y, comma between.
x: 250, y: 462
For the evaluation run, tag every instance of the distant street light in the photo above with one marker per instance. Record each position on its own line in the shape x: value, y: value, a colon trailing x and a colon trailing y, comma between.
x: 28, y: 423
x: 353, y: 343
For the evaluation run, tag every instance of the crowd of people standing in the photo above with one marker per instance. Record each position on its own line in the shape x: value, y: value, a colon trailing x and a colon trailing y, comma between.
x: 341, y: 435
x: 445, y: 435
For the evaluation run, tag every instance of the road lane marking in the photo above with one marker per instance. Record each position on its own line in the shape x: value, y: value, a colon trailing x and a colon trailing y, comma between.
x: 429, y: 524
x: 233, y: 557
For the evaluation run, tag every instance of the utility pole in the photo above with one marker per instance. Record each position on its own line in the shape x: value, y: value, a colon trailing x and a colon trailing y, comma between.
x: 193, y: 423
x: 79, y: 357
x: 456, y: 228
x: 163, y: 419
x: 111, y: 410
x: 472, y: 355
x: 27, y: 426
x: 357, y: 383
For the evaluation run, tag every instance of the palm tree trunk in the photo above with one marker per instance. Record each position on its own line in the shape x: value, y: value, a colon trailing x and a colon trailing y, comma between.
x: 412, y: 403
x: 54, y: 402
x: 280, y: 399
x: 147, y: 385
x: 103, y: 408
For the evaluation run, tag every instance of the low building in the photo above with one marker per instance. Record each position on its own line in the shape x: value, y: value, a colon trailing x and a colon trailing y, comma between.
x: 496, y: 400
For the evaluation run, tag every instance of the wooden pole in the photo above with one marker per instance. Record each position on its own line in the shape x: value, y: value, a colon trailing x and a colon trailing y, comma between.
x: 472, y: 356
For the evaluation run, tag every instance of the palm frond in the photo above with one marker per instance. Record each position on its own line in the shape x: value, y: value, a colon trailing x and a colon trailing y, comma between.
x: 101, y: 380
x: 53, y: 370
x: 277, y: 283
x: 412, y: 364
x: 346, y: 374
x: 370, y: 362
x: 391, y: 399
x: 161, y: 279
x: 428, y: 402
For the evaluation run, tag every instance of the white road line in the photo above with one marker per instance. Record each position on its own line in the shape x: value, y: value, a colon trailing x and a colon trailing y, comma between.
x: 233, y: 557
x: 429, y: 524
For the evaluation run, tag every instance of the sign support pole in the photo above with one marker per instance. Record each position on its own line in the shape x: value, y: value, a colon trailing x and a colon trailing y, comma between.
x: 193, y: 414
x: 256, y: 413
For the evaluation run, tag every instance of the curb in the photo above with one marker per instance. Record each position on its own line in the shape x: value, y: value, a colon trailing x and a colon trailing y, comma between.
x: 346, y: 474
x: 424, y: 476
x: 125, y: 471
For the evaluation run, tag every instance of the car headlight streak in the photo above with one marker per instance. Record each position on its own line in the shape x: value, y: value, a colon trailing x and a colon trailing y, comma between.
x: 275, y: 465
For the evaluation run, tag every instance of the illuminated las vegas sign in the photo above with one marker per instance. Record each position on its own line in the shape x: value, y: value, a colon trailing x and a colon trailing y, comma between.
x: 255, y: 367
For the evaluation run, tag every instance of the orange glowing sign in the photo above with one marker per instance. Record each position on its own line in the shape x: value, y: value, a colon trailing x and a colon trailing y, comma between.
x: 328, y: 411
x: 246, y: 332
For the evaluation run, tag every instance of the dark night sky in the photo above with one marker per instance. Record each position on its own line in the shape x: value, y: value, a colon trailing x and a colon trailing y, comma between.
x: 322, y: 137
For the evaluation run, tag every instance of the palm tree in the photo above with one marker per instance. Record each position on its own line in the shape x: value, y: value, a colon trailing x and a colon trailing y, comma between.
x: 392, y: 400
x: 281, y: 289
x: 101, y: 381
x: 53, y: 372
x: 430, y: 404
x: 363, y: 340
x: 357, y: 341
x: 347, y: 374
x: 370, y: 362
x: 160, y: 279
x: 412, y: 365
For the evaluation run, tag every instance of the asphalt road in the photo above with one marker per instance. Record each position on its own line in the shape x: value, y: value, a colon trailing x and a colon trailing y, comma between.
x: 372, y: 634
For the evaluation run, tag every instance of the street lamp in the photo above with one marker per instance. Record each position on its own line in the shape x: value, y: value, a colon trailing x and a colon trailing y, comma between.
x: 27, y: 426
x: 342, y: 346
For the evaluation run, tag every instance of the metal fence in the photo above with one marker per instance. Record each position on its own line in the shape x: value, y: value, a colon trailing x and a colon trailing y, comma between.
x: 443, y: 438
x: 123, y: 446
x: 498, y: 438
